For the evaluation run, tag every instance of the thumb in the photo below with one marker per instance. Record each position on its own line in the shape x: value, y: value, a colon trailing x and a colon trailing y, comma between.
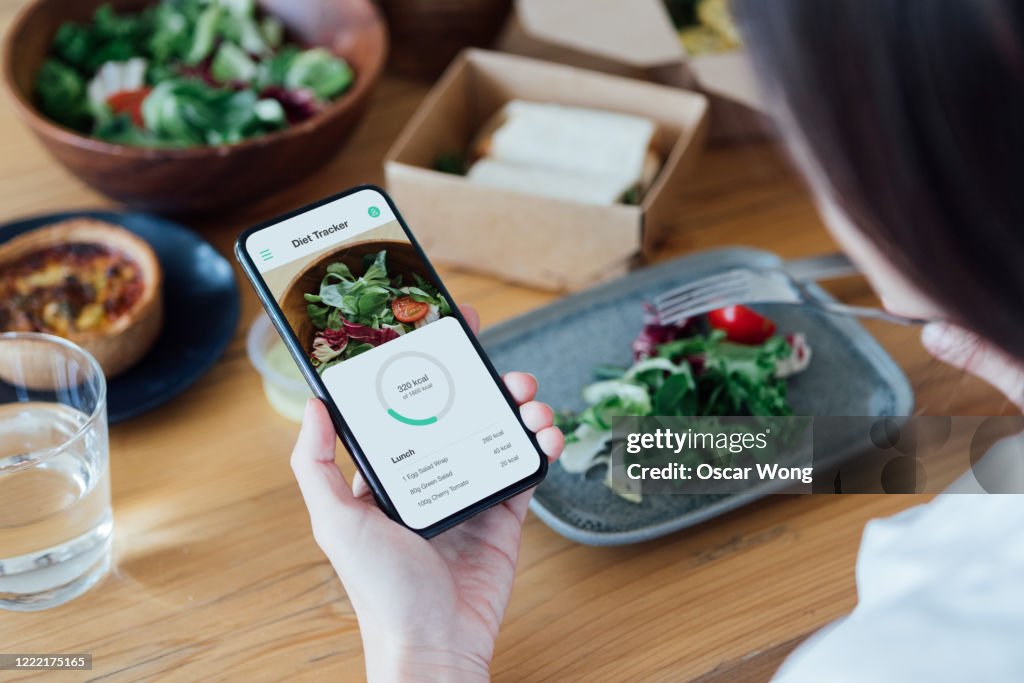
x: 327, y: 495
x: 965, y: 350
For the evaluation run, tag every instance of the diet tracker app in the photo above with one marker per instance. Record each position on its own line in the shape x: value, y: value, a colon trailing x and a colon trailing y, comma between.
x: 425, y: 411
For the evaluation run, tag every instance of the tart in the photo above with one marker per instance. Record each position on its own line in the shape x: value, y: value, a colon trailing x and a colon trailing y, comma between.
x: 91, y: 282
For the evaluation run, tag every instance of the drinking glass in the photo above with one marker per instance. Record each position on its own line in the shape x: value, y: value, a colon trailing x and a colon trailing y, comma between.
x: 55, y: 519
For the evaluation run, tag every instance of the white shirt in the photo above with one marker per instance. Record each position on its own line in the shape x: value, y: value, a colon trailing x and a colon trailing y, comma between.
x: 941, y: 597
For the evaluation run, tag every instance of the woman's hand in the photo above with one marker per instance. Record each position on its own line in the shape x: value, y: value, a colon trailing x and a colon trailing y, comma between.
x: 428, y: 610
x: 967, y: 351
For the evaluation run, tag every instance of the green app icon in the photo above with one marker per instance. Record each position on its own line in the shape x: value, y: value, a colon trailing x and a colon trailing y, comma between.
x: 373, y: 211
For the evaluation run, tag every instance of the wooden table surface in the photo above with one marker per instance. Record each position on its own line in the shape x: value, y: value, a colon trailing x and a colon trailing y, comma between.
x: 217, y: 575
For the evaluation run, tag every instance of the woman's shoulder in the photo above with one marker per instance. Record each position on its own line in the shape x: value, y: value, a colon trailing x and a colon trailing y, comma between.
x: 940, y: 598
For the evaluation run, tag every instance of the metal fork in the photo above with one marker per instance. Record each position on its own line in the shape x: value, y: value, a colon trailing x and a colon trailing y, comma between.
x: 755, y: 285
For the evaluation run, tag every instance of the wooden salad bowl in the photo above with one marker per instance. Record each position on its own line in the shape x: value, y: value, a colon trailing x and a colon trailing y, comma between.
x: 203, y: 178
x: 427, y: 34
x: 402, y: 260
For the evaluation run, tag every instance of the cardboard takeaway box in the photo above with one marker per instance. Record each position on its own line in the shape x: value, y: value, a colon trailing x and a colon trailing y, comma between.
x: 636, y: 38
x: 549, y: 243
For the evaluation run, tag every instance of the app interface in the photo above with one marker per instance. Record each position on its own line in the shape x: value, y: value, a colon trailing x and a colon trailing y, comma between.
x: 437, y: 431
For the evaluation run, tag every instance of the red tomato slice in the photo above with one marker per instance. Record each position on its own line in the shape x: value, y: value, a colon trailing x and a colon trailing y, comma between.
x: 741, y: 324
x: 408, y: 310
x: 129, y: 102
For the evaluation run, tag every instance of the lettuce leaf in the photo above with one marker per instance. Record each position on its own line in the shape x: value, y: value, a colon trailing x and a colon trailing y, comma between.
x: 60, y: 92
x: 204, y: 35
x: 232, y: 64
x: 188, y: 111
x: 318, y: 70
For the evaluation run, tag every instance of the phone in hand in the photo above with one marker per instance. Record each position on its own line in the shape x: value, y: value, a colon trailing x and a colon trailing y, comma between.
x: 378, y: 338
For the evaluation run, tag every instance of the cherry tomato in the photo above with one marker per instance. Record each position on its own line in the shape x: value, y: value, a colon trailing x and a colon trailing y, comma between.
x: 408, y: 310
x: 129, y: 102
x: 741, y: 324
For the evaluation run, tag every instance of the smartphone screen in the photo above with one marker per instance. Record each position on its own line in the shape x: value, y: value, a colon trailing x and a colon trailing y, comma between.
x: 360, y: 306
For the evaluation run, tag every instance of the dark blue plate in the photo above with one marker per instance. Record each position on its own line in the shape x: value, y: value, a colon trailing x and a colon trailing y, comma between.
x: 200, y: 310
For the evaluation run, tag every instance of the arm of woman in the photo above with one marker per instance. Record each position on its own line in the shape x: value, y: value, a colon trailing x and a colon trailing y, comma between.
x: 428, y: 610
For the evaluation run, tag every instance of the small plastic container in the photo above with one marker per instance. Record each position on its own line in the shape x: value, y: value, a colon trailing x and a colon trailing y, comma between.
x: 286, y: 390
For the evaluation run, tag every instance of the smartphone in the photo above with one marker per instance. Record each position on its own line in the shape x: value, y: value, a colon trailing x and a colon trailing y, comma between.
x: 378, y: 338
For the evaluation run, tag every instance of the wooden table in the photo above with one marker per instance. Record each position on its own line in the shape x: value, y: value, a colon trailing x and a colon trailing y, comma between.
x: 217, y: 575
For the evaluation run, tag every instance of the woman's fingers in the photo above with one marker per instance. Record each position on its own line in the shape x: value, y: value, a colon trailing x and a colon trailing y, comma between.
x: 965, y: 350
x: 472, y: 318
x: 323, y: 486
x: 522, y: 386
x: 551, y: 441
x: 536, y: 415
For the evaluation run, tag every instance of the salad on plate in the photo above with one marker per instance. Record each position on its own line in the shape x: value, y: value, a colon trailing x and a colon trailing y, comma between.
x: 730, y: 362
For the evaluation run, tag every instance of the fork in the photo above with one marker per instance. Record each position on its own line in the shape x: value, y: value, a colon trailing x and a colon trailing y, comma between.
x: 756, y: 285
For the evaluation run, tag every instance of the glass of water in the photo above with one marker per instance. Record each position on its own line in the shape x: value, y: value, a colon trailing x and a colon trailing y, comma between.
x: 55, y: 520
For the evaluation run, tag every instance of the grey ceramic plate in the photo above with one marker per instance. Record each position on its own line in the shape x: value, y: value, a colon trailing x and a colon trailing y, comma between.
x: 850, y: 374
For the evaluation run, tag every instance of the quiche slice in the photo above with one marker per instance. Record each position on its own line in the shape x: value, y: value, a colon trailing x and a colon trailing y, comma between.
x: 91, y: 282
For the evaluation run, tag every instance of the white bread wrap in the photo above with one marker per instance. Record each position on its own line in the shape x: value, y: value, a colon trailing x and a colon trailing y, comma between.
x: 586, y: 155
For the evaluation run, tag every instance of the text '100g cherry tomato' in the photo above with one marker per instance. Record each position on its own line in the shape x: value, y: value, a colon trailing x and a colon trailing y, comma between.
x: 741, y: 324
x: 408, y: 310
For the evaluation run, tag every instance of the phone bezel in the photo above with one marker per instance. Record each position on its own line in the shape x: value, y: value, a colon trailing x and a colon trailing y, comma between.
x: 320, y: 391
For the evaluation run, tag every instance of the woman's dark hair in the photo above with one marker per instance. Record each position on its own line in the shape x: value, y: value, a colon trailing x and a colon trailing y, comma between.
x: 914, y: 112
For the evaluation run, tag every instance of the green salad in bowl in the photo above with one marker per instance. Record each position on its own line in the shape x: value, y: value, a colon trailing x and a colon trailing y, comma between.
x: 184, y: 73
